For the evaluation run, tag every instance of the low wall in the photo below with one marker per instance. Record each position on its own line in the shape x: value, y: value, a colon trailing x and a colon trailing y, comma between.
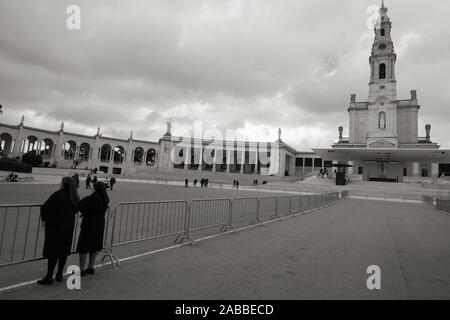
x: 58, y: 171
x: 20, y: 176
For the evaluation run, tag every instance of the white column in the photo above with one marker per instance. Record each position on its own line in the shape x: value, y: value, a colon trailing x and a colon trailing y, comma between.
x: 187, y: 156
x: 256, y: 160
x: 242, y: 160
x: 200, y: 161
x: 214, y: 160
x: 415, y: 166
x: 434, y: 169
x: 228, y: 160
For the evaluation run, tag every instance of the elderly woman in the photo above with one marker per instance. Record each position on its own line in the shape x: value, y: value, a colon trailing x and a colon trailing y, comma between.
x: 90, y: 241
x: 58, y: 214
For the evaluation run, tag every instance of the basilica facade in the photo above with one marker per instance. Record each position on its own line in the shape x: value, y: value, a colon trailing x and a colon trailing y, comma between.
x: 384, y: 142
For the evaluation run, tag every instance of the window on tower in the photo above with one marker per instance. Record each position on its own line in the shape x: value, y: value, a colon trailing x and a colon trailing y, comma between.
x: 382, y: 120
x: 382, y: 71
x: 383, y: 32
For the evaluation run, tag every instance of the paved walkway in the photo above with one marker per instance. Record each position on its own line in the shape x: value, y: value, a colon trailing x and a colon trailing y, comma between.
x: 322, y: 255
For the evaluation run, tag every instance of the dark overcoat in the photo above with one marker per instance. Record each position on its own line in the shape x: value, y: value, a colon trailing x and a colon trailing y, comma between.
x: 93, y: 209
x: 58, y: 213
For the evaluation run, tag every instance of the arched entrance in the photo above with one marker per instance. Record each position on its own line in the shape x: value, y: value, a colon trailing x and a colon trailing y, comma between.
x: 46, y: 150
x: 5, y: 143
x: 105, y: 153
x: 69, y: 150
x: 85, y: 150
x: 119, y: 154
x: 151, y: 157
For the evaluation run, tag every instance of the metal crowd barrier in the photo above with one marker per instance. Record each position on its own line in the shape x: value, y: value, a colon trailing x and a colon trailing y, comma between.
x: 428, y: 200
x: 22, y: 233
x: 140, y: 221
x: 244, y: 210
x: 439, y: 203
x: 443, y: 205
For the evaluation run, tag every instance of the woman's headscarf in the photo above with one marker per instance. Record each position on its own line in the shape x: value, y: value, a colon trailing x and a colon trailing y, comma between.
x: 99, y: 187
x: 68, y: 184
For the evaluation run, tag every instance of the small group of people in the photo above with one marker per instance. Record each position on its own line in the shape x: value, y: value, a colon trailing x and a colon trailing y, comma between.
x: 12, y: 177
x: 58, y: 215
x: 90, y: 179
x: 204, y: 182
x: 255, y: 182
x: 236, y: 184
x: 323, y: 173
x: 109, y: 184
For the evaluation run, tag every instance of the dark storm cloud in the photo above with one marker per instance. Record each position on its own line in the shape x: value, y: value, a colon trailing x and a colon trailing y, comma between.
x: 240, y: 64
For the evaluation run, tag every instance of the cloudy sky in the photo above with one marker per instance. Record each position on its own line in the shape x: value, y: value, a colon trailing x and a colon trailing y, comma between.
x: 246, y: 65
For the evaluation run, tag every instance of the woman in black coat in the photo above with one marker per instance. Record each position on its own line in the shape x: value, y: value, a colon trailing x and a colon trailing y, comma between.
x: 93, y: 209
x: 58, y: 215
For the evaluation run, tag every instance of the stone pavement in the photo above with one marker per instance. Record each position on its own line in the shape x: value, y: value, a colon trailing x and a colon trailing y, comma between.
x: 321, y: 255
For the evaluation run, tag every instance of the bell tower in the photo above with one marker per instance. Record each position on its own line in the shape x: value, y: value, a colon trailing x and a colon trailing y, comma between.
x: 382, y: 60
x: 382, y: 106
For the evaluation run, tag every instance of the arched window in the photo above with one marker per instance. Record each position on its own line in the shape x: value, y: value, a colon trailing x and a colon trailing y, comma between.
x: 382, y: 120
x: 383, y: 32
x: 382, y: 71
x: 119, y: 154
x: 138, y: 155
x: 151, y: 157
x: 31, y: 143
x: 47, y: 148
x: 105, y: 153
x: 5, y: 143
x: 85, y: 150
x: 69, y: 149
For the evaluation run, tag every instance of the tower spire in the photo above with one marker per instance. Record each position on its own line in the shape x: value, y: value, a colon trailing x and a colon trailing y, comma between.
x: 382, y: 60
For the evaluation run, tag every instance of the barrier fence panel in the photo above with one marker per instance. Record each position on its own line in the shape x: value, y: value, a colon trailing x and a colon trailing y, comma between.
x: 312, y: 201
x: 140, y: 221
x: 296, y: 204
x: 443, y: 205
x: 428, y: 200
x: 267, y: 208
x: 284, y: 206
x: 304, y: 203
x: 22, y: 234
x: 244, y: 210
x: 209, y: 213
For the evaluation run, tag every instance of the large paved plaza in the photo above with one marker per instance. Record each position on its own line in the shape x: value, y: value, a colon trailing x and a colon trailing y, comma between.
x: 321, y: 255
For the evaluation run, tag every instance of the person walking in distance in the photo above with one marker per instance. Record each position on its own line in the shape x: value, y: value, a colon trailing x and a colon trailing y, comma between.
x: 88, y: 181
x: 90, y: 241
x: 58, y: 216
x: 112, y: 182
